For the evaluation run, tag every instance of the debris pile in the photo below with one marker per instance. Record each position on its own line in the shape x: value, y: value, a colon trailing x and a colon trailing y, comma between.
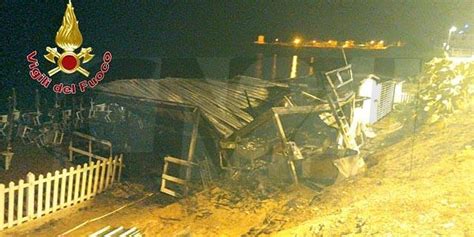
x: 446, y: 86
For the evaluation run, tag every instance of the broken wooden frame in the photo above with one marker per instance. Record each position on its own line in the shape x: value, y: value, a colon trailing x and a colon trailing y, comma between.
x: 77, y: 136
x: 188, y: 163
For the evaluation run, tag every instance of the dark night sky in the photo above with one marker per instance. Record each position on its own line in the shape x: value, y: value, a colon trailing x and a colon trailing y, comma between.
x: 186, y: 28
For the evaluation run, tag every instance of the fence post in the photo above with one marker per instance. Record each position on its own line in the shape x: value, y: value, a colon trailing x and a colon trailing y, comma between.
x: 55, y: 190
x: 77, y: 184
x: 83, y: 176
x: 30, y: 205
x: 11, y: 203
x: 40, y: 195
x: 96, y: 176
x: 70, y: 186
x: 90, y: 179
x: 102, y: 175
x: 2, y: 205
x: 19, y: 214
x: 107, y: 174
x: 47, y: 201
x: 62, y: 195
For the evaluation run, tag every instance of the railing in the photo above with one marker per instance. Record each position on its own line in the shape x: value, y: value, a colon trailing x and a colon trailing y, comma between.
x: 77, y: 136
x: 43, y: 195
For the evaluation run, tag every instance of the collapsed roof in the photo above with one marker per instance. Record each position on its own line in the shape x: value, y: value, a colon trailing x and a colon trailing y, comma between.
x: 228, y: 105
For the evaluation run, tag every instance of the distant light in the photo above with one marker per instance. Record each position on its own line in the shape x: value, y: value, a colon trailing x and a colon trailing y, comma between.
x: 453, y: 29
x: 297, y: 41
x: 466, y: 26
x: 372, y: 42
x: 276, y: 40
x: 314, y: 41
x: 381, y: 42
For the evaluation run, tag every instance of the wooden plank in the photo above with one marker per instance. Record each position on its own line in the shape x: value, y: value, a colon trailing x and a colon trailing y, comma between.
x: 114, y: 232
x: 169, y: 191
x: 31, y: 196
x: 77, y: 185
x: 90, y: 179
x: 100, y: 232
x: 55, y: 190
x: 47, y: 201
x: 301, y: 109
x: 279, y: 126
x: 88, y: 137
x: 173, y: 179
x: 62, y: 195
x: 11, y: 203
x: 178, y: 161
x: 39, y: 208
x: 21, y: 190
x: 163, y: 181
x: 84, y: 177
x: 85, y: 153
x: 70, y: 186
x: 2, y: 206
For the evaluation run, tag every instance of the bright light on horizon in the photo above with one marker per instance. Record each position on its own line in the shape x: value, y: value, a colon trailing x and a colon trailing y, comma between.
x: 297, y: 41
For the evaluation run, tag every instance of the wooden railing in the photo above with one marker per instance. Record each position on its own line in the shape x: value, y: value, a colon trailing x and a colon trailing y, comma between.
x: 89, y: 151
x: 42, y: 195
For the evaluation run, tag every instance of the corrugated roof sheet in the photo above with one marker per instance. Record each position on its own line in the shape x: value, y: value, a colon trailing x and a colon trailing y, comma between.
x: 223, y: 103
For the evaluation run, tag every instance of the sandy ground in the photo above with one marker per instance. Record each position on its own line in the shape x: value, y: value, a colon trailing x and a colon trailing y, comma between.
x: 419, y: 184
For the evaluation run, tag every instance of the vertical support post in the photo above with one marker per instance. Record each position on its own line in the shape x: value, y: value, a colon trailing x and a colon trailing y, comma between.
x: 120, y: 164
x: 70, y: 149
x: 192, y: 145
x: 115, y: 163
x: 90, y: 150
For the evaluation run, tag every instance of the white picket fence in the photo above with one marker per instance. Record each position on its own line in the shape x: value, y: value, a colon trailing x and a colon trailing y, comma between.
x: 43, y: 195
